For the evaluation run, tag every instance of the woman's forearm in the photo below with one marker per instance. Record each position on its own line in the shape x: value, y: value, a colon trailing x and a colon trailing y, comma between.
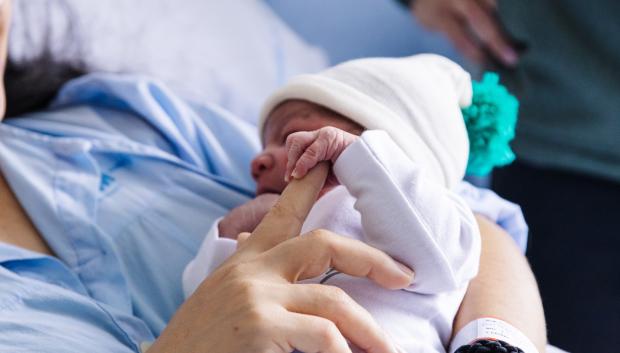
x: 504, y: 288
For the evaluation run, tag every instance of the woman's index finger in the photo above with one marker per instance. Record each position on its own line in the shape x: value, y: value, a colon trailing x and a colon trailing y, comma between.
x: 286, y: 218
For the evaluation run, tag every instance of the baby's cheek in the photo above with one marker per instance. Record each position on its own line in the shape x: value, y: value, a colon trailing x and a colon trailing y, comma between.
x: 276, y: 180
x: 280, y: 161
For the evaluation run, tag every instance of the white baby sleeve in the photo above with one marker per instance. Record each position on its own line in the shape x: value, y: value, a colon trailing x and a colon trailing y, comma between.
x: 404, y: 213
x: 212, y: 253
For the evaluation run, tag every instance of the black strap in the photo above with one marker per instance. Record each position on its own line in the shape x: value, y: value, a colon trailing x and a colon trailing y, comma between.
x: 488, y: 346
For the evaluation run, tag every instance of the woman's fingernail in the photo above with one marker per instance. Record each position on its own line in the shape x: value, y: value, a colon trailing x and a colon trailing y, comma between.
x: 510, y: 57
x: 406, y: 270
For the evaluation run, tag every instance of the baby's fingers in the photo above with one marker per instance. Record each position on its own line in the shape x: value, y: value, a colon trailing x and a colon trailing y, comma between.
x: 296, y: 145
x: 314, y: 154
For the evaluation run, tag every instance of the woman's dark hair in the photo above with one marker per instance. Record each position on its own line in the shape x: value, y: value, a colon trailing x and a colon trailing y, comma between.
x: 32, y: 84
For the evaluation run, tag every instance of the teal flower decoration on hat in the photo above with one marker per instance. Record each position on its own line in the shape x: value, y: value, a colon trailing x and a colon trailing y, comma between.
x: 490, y: 121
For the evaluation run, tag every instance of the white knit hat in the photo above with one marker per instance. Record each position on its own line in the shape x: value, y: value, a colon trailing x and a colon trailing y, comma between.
x: 417, y: 100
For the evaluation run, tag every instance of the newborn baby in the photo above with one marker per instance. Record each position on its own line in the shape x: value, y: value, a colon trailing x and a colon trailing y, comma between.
x: 394, y: 135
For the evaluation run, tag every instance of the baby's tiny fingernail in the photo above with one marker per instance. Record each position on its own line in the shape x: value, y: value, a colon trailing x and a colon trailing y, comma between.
x: 295, y: 174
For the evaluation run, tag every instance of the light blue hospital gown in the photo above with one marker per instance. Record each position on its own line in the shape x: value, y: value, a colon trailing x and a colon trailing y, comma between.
x: 123, y: 180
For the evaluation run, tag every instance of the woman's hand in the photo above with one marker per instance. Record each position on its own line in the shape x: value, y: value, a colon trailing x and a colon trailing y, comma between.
x: 253, y: 304
x: 246, y: 217
x: 471, y: 25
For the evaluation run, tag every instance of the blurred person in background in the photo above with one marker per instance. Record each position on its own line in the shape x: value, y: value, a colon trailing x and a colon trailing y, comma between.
x: 561, y: 60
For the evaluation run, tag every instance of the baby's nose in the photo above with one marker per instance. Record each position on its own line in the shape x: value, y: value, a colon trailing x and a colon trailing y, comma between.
x: 262, y: 163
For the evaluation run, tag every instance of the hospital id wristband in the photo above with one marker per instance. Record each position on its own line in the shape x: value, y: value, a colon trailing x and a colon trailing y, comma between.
x: 493, y: 330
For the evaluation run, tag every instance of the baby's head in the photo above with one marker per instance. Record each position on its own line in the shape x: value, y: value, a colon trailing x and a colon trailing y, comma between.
x: 290, y: 116
x: 417, y: 100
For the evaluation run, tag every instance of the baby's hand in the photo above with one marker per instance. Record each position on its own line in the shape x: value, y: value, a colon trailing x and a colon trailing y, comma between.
x: 307, y: 148
x: 247, y: 216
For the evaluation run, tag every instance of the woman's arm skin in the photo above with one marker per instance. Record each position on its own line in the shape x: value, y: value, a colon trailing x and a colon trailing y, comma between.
x: 251, y: 304
x: 504, y: 288
x: 15, y: 226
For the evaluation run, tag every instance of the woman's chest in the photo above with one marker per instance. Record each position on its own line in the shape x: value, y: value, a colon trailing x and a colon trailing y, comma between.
x: 15, y: 225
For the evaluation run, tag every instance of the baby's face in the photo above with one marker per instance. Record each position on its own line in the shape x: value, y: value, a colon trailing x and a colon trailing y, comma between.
x: 268, y: 167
